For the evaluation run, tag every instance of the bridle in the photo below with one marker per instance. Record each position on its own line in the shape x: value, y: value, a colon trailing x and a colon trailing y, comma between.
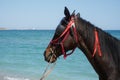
x: 64, y: 35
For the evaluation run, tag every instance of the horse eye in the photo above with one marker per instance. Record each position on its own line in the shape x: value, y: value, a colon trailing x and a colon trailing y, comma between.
x: 57, y: 34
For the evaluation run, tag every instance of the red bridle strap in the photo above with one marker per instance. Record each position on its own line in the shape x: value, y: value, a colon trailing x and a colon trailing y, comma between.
x: 63, y: 50
x: 96, y: 44
x: 66, y: 33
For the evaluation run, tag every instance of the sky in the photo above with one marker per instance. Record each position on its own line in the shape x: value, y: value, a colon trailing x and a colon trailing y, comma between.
x: 46, y: 14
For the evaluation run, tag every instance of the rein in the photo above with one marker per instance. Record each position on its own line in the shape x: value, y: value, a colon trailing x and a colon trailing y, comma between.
x: 65, y: 35
x: 48, y: 69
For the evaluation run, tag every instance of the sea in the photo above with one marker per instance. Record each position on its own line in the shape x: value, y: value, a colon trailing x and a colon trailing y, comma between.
x: 21, y: 57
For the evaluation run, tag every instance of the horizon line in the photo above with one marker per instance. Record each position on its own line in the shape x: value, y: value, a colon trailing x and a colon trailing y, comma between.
x: 2, y: 28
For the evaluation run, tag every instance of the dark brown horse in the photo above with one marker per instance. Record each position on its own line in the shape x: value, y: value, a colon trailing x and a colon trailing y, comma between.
x: 101, y: 49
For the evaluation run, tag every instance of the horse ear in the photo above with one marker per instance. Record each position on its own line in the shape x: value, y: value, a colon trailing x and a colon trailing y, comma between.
x: 73, y: 14
x: 67, y: 13
x: 78, y: 15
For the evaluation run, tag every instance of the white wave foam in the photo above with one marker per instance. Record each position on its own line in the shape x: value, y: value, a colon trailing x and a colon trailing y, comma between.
x: 14, y: 78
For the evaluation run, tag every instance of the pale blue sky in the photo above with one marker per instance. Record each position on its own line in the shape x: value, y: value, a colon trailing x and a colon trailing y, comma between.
x: 46, y: 14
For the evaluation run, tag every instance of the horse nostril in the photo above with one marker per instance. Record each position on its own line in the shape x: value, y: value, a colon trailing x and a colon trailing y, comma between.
x: 47, y: 55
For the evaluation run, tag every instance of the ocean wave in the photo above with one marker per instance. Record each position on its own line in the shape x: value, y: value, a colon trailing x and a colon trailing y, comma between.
x: 14, y: 78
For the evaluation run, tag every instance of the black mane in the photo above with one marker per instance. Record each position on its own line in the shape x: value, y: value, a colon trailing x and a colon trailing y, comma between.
x: 89, y: 27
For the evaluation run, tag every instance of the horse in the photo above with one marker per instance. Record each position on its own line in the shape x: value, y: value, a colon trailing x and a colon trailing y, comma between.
x: 101, y: 48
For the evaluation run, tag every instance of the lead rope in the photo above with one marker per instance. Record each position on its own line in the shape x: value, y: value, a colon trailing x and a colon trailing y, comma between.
x: 48, y: 69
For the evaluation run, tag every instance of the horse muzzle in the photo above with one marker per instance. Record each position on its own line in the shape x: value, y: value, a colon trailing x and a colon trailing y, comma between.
x: 50, y: 56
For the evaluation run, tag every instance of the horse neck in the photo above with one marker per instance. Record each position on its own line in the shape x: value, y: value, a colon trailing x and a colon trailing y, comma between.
x: 86, y: 32
x: 86, y: 41
x: 109, y: 44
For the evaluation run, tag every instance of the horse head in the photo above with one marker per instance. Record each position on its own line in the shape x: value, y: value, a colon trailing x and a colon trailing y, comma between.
x: 64, y: 39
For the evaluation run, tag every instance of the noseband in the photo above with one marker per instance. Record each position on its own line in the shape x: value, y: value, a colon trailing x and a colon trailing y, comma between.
x: 64, y: 35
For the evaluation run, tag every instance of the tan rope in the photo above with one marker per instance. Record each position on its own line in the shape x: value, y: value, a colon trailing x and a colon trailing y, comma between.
x: 48, y: 70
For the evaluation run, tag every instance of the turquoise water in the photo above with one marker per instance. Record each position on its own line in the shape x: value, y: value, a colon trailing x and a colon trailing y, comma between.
x: 21, y: 57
